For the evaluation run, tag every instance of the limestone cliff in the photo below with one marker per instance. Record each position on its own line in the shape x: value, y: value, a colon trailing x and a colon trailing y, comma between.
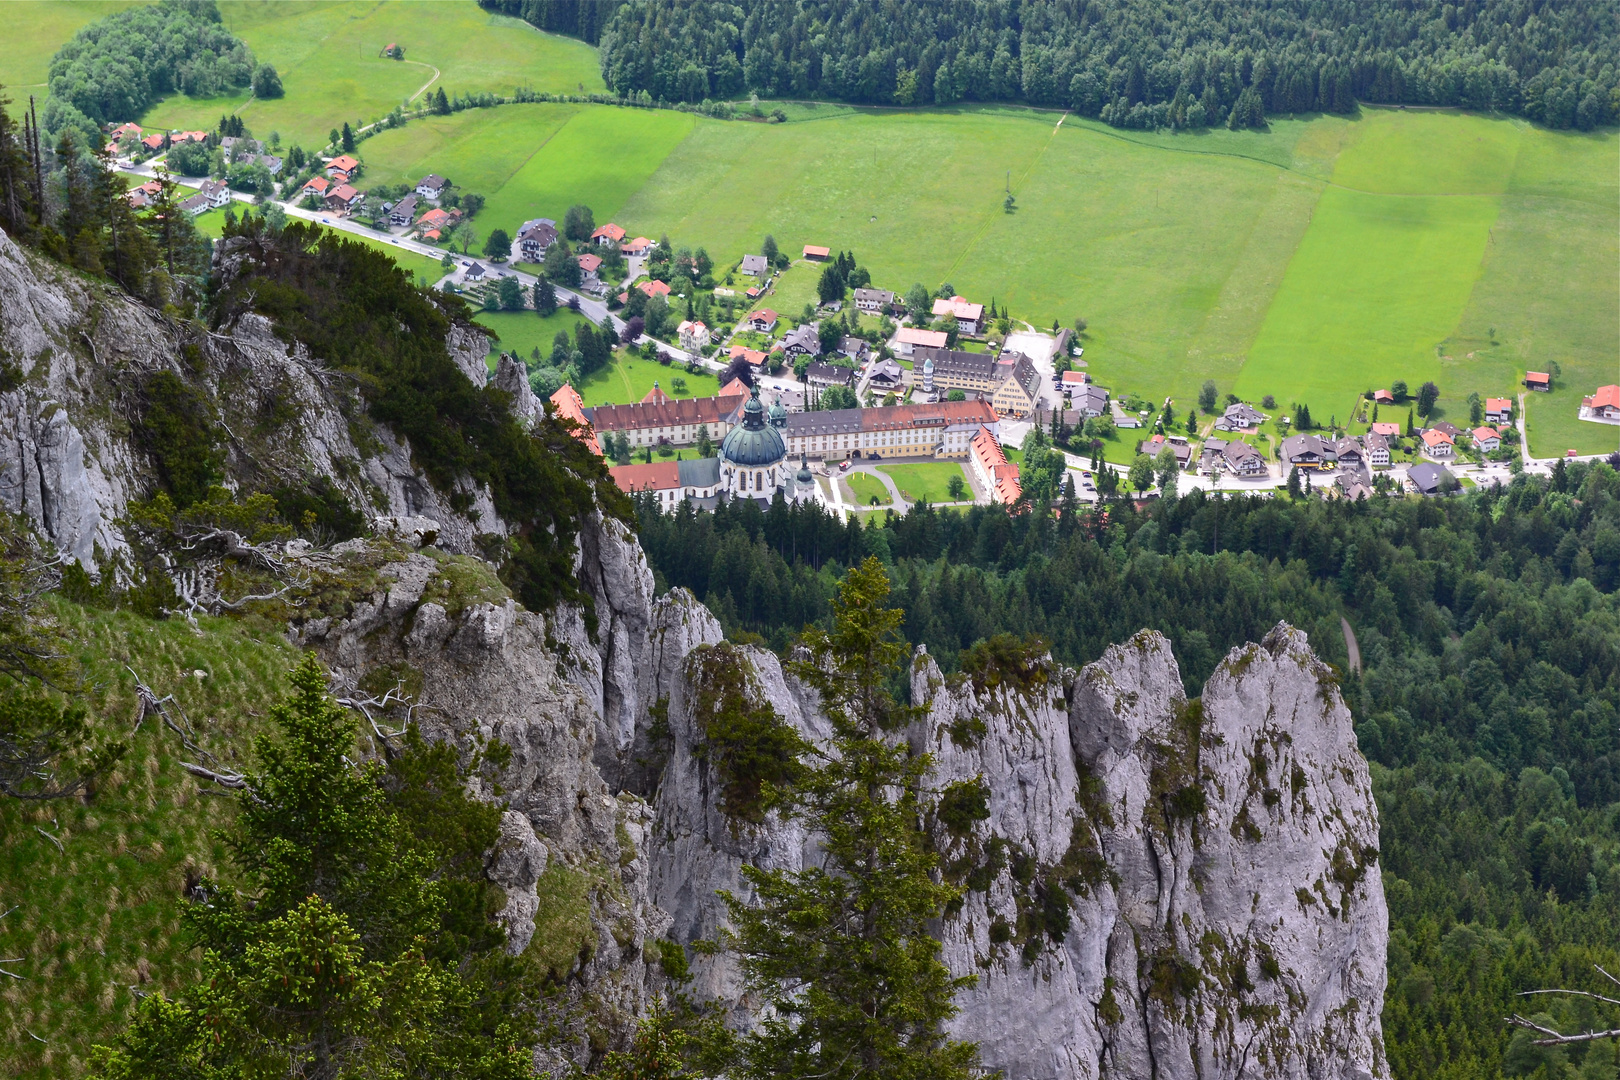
x: 1161, y: 888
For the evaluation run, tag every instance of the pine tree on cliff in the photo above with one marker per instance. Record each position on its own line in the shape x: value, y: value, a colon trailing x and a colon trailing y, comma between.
x: 355, y: 938
x: 841, y: 952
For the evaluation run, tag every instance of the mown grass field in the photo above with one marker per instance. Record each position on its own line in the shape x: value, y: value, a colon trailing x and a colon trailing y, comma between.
x: 329, y: 56
x: 524, y: 331
x: 928, y: 480
x: 533, y: 160
x: 626, y: 381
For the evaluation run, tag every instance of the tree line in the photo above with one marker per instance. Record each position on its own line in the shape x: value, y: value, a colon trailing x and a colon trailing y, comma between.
x: 1132, y: 63
x: 1488, y: 702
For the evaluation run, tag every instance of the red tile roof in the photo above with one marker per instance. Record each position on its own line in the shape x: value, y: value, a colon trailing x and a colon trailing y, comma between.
x: 343, y: 163
x: 986, y: 450
x: 654, y: 288
x: 1386, y: 428
x: 1498, y: 404
x: 317, y: 184
x: 657, y: 476
x: 911, y: 335
x: 1482, y: 433
x: 590, y: 263
x: 569, y: 406
x: 681, y: 412
x: 610, y: 231
x: 811, y: 251
x: 1537, y: 378
x: 1606, y: 397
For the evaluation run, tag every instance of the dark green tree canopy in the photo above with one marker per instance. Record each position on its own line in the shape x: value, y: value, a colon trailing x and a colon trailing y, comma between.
x: 1134, y: 63
x: 115, y: 68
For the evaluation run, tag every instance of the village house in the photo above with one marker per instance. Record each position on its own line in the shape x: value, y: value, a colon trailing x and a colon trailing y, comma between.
x: 1487, y: 439
x: 188, y: 136
x: 197, y: 204
x: 432, y: 186
x: 1089, y: 401
x: 908, y: 339
x: 1431, y: 479
x: 762, y: 321
x: 217, y: 192
x: 1240, y: 416
x: 436, y: 222
x: 637, y: 248
x: 802, y: 340
x: 817, y: 254
x: 475, y: 272
x: 144, y: 195
x: 657, y: 418
x: 342, y: 198
x: 937, y: 429
x: 1438, y: 444
x: 535, y: 238
x: 855, y: 348
x: 589, y: 266
x: 606, y: 235
x: 1538, y: 380
x: 873, y: 301
x: 1123, y: 419
x: 1377, y: 450
x: 968, y: 316
x: 756, y: 359
x: 1387, y: 429
x: 1383, y: 397
x: 819, y: 376
x: 1072, y: 382
x: 403, y: 212
x: 755, y: 265
x: 342, y: 167
x: 1235, y: 457
x: 957, y: 370
x: 694, y: 336
x: 653, y: 288
x: 1498, y: 410
x: 1604, y: 404
x: 995, y: 474
x: 885, y: 377
x: 154, y: 143
x: 317, y: 186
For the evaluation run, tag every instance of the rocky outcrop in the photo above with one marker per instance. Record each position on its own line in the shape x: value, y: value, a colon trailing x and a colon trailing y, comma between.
x: 75, y: 357
x: 1161, y: 888
x: 1187, y: 889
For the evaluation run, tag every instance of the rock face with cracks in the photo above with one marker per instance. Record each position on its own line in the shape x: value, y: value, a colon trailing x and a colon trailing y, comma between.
x: 1160, y: 887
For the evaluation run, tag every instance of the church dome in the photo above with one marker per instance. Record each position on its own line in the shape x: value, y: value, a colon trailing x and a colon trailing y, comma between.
x: 754, y: 443
x: 804, y: 478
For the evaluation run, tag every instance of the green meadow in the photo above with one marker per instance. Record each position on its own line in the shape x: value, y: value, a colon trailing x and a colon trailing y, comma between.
x: 35, y: 30
x: 533, y: 160
x: 329, y: 56
x: 1312, y: 261
x: 627, y: 380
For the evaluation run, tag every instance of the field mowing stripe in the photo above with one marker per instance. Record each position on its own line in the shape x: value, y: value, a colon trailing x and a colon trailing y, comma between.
x: 978, y: 235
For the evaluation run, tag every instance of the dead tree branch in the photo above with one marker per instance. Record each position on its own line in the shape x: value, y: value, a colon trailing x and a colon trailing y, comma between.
x: 1554, y: 1037
x: 214, y: 770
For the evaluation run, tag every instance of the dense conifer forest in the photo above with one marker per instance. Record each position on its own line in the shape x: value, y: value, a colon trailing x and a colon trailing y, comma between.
x: 1133, y: 63
x: 1488, y: 702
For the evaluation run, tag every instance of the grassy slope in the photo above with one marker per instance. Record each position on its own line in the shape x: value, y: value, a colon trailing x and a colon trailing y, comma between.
x: 35, y: 29
x: 533, y: 160
x: 93, y: 917
x: 329, y: 58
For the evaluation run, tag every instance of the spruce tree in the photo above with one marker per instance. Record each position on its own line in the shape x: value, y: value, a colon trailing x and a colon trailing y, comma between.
x: 841, y: 953
x: 354, y: 938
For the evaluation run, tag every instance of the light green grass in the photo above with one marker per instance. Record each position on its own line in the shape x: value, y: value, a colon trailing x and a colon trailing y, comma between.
x: 534, y: 160
x: 329, y: 56
x: 88, y: 916
x: 524, y: 331
x: 626, y: 381
x: 865, y: 487
x: 927, y: 480
x: 35, y: 30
